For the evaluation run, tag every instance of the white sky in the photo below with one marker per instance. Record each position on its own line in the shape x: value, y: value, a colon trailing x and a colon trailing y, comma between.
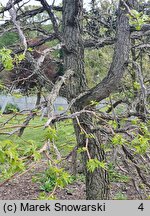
x: 34, y: 2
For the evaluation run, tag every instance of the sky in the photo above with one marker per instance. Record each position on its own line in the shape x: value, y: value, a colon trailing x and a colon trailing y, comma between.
x: 34, y: 2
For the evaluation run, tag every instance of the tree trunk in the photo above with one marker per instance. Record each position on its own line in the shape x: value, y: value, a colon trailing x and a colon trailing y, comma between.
x: 97, y: 184
x: 38, y: 100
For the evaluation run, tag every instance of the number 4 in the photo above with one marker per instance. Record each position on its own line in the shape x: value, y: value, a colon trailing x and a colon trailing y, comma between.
x: 141, y: 207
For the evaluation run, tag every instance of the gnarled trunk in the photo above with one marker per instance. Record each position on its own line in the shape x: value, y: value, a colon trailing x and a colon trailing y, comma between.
x: 97, y: 184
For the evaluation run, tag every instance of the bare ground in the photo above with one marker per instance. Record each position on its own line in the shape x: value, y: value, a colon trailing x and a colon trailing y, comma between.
x: 23, y: 188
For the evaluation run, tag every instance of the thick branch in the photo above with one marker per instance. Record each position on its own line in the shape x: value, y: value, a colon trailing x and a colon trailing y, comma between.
x: 121, y: 54
x: 98, y: 43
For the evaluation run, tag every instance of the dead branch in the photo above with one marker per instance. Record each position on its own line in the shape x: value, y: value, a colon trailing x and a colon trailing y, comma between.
x: 55, y: 92
x: 16, y: 23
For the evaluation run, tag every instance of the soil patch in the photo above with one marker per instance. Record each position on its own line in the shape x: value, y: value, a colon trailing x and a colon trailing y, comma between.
x: 24, y: 188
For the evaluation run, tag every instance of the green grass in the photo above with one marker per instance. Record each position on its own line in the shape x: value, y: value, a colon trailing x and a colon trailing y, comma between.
x: 35, y: 132
x: 14, y: 148
x: 30, y: 133
x: 65, y: 137
x: 120, y: 196
x: 115, y: 176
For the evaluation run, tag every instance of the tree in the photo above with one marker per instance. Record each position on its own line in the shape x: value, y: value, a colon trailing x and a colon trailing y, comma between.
x: 74, y: 86
x: 96, y: 183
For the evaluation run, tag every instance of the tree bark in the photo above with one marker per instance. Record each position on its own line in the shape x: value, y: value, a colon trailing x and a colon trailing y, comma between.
x: 38, y: 100
x: 120, y: 59
x: 97, y: 184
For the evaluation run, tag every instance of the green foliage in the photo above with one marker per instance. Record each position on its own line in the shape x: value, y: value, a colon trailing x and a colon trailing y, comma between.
x: 136, y: 86
x: 54, y: 177
x: 11, y: 108
x: 135, y: 121
x: 50, y: 134
x: 32, y: 150
x: 148, y: 198
x: 90, y: 136
x: 30, y: 49
x: 17, y: 95
x: 120, y: 196
x: 115, y: 176
x: 9, y: 159
x: 144, y: 128
x: 18, y: 58
x: 43, y: 196
x: 120, y: 109
x: 141, y: 144
x: 141, y: 140
x: 28, y: 145
x: 6, y: 59
x: 137, y: 19
x: 118, y: 140
x: 80, y: 150
x: 94, y: 103
x: 60, y: 108
x: 113, y: 123
x: 93, y: 164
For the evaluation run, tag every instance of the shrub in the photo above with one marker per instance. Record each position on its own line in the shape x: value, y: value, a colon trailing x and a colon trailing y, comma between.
x: 11, y: 108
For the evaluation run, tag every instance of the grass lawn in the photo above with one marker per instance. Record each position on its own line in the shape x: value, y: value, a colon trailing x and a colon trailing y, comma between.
x: 35, y: 132
x: 33, y: 139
